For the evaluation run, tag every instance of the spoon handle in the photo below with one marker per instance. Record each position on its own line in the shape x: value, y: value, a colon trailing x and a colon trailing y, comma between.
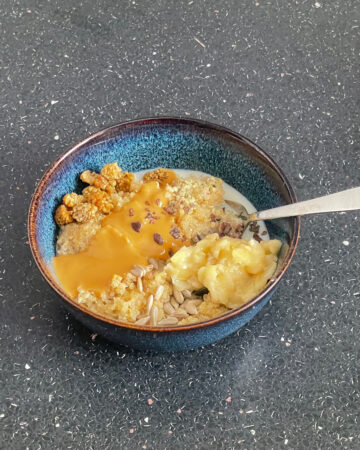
x: 341, y: 201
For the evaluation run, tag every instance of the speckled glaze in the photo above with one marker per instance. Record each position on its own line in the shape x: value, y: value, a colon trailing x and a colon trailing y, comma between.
x: 176, y: 143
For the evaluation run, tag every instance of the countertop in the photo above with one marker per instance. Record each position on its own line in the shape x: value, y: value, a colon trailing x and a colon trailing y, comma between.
x: 284, y: 74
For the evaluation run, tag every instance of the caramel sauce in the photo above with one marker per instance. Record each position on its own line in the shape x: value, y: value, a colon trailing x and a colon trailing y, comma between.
x: 137, y: 231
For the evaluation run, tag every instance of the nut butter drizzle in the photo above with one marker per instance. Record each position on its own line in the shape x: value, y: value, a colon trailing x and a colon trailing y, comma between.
x: 139, y: 230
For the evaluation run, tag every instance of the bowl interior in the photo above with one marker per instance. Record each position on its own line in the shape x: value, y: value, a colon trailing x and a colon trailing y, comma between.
x: 173, y: 143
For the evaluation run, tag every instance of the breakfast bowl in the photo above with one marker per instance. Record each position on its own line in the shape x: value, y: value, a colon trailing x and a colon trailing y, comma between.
x: 176, y: 143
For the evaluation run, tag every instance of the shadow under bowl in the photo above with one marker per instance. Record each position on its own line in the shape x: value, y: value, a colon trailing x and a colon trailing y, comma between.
x: 180, y: 144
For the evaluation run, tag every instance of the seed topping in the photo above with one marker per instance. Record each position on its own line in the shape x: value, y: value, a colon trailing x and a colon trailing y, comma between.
x: 158, y: 239
x: 136, y: 226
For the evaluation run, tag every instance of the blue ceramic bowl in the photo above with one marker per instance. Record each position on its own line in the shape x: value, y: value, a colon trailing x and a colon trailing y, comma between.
x: 175, y: 143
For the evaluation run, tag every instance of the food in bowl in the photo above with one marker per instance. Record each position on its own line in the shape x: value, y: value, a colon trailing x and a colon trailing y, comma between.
x: 161, y: 250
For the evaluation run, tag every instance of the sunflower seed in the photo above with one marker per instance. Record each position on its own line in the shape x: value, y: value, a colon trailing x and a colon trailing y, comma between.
x: 139, y: 284
x: 168, y: 309
x: 154, y: 263
x: 180, y: 314
x: 195, y: 301
x: 168, y: 321
x: 154, y: 316
x: 191, y: 301
x: 178, y: 296
x: 186, y: 293
x: 143, y: 321
x: 138, y: 271
x: 190, y: 308
x: 149, y: 304
x: 159, y: 292
x: 174, y: 303
x: 141, y: 316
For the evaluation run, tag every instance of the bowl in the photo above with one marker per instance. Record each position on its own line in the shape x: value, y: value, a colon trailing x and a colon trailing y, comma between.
x: 175, y: 143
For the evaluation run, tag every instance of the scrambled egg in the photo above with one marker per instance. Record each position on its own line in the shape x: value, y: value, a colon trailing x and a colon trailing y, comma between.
x: 233, y: 270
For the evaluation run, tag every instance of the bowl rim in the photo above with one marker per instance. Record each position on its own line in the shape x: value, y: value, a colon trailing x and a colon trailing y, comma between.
x: 31, y: 223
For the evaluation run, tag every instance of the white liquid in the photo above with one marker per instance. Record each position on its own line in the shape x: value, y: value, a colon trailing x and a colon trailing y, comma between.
x: 229, y: 193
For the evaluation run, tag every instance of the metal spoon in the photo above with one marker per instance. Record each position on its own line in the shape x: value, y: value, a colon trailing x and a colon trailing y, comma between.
x: 341, y: 201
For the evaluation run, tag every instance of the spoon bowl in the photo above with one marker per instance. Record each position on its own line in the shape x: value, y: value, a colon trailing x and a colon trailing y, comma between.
x: 347, y: 200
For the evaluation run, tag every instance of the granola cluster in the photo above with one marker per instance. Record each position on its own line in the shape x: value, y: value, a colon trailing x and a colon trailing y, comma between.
x: 98, y: 198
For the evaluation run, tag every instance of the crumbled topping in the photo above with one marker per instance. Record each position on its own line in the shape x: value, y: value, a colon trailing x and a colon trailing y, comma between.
x: 254, y: 227
x: 170, y: 208
x: 257, y: 237
x: 175, y: 232
x: 234, y: 230
x: 136, y: 226
x: 158, y: 238
x: 224, y: 228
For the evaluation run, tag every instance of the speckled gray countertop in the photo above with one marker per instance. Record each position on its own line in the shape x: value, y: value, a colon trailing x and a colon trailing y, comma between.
x: 283, y: 73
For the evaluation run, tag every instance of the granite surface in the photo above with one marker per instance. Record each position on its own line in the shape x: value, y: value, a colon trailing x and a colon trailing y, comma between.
x: 285, y: 74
